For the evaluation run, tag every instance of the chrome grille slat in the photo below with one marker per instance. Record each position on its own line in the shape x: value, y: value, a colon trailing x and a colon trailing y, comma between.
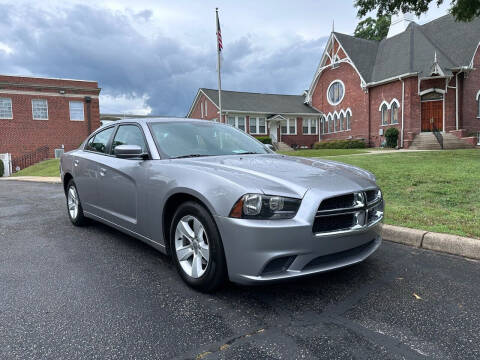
x: 366, y: 211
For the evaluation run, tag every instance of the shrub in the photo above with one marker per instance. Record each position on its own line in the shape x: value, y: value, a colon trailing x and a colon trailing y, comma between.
x: 264, y: 139
x: 392, y: 137
x: 340, y: 144
x: 1, y: 168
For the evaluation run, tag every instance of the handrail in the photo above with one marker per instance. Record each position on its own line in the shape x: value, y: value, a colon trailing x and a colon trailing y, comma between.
x: 438, y: 135
x: 30, y: 158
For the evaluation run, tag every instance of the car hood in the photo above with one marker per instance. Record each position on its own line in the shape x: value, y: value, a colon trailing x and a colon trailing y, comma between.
x: 285, y: 175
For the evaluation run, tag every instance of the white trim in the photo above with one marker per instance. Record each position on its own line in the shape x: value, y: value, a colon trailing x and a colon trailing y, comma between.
x: 205, y: 107
x: 403, y: 123
x: 384, y: 103
x: 321, y: 66
x: 41, y: 93
x: 288, y: 126
x: 48, y: 78
x: 201, y: 109
x: 456, y: 101
x: 269, y: 113
x: 478, y: 95
x: 426, y: 91
x: 473, y: 56
x: 11, y: 109
x: 394, y: 100
x: 195, y: 101
x: 33, y: 114
x: 390, y: 79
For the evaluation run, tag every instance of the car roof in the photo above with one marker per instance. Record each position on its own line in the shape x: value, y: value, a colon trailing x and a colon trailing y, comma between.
x: 163, y: 120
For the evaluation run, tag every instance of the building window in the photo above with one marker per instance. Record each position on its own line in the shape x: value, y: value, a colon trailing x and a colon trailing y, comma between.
x: 349, y: 115
x: 330, y: 124
x: 6, y: 108
x: 237, y: 121
x: 201, y: 109
x: 384, y: 114
x: 309, y: 126
x: 335, y: 123
x: 76, y: 111
x: 322, y: 125
x: 257, y: 125
x: 206, y: 112
x: 335, y: 92
x: 40, y: 109
x: 342, y: 122
x: 394, y: 113
x: 288, y: 127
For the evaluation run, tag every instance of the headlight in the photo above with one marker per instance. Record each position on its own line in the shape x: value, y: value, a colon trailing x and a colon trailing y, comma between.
x: 258, y: 206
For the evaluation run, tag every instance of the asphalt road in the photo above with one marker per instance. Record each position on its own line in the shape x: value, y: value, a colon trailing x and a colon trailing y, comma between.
x: 94, y: 293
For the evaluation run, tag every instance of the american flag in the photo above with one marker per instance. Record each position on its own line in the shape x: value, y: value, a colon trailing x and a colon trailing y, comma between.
x: 219, y: 35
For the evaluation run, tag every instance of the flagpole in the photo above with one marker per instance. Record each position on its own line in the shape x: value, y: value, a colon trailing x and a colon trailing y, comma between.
x: 218, y: 68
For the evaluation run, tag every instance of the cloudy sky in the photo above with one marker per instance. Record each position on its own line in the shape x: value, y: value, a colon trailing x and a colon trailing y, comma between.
x: 152, y: 56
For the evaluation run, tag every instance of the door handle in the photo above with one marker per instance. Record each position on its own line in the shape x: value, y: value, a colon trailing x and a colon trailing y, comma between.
x: 102, y: 171
x: 75, y: 162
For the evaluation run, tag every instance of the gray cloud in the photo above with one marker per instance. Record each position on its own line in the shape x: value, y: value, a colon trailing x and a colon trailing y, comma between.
x: 106, y: 45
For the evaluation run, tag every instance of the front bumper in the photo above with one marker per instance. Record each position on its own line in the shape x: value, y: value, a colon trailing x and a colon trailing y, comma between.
x: 252, y: 246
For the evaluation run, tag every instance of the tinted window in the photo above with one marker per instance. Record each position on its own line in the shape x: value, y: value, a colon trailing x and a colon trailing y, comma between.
x: 129, y: 135
x: 98, y: 143
x: 203, y: 139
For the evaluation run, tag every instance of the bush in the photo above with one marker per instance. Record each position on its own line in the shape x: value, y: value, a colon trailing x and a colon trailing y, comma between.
x: 264, y: 139
x: 392, y: 137
x: 340, y: 144
x: 2, y: 167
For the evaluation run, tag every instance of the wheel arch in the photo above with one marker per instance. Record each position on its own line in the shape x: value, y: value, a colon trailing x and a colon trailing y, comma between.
x: 66, y: 179
x: 172, y: 203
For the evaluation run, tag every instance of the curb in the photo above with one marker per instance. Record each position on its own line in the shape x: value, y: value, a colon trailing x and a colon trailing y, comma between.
x: 41, y: 179
x: 446, y: 243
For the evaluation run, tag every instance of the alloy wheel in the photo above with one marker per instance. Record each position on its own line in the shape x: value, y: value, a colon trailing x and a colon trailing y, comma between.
x: 192, y: 246
x: 72, y: 202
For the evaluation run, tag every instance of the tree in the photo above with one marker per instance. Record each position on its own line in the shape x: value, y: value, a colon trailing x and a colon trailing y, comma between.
x: 373, y: 29
x: 462, y: 10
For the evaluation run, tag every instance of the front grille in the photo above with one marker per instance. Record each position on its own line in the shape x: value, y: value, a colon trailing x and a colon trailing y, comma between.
x: 349, y: 212
x: 334, y: 223
x: 342, y: 255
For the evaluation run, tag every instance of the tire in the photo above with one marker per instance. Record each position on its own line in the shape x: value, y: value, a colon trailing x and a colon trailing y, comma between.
x: 76, y: 215
x: 192, y: 239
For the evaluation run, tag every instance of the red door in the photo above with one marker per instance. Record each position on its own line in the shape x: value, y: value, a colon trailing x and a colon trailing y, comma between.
x: 432, y: 115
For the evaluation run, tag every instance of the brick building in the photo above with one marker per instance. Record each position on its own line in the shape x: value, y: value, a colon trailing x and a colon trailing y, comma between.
x: 41, y: 114
x: 418, y: 79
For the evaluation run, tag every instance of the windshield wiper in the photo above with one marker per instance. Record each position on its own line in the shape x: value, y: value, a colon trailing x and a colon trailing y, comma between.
x: 246, y: 153
x: 188, y: 156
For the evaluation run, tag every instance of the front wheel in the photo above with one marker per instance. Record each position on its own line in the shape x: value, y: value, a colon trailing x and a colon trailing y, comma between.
x: 197, y: 248
x: 74, y: 206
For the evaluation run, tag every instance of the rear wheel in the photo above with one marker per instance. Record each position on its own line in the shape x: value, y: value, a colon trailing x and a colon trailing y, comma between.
x: 74, y: 205
x: 197, y: 248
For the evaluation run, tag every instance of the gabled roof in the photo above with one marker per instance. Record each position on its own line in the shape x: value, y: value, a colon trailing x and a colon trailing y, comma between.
x: 413, y: 50
x: 260, y: 103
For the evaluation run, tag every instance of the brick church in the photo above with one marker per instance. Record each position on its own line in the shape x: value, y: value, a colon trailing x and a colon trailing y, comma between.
x: 419, y: 79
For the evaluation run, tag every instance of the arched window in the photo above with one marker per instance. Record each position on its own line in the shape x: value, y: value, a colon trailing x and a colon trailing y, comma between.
x: 478, y: 103
x: 322, y: 125
x: 330, y: 124
x: 335, y: 123
x: 384, y: 113
x: 394, y: 113
x: 342, y: 122
x: 349, y: 115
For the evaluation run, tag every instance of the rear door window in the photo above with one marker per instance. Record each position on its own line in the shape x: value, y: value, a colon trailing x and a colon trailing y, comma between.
x: 99, y: 142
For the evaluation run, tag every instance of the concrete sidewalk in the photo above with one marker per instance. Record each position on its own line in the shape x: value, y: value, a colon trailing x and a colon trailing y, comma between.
x: 43, y: 179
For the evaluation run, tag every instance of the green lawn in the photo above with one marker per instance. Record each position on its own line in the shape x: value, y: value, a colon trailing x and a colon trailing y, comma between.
x: 44, y: 168
x: 323, y: 152
x: 435, y: 191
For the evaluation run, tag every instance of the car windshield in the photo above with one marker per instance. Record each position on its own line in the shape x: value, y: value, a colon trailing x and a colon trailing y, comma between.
x: 192, y: 139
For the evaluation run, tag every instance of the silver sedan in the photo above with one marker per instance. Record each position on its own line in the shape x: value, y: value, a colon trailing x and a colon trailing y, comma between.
x: 221, y: 203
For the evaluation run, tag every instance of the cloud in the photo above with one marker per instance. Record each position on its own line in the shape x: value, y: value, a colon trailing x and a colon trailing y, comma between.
x: 141, y: 69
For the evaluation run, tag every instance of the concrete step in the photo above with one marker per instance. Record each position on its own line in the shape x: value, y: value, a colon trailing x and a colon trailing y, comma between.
x: 428, y: 141
x: 283, y: 146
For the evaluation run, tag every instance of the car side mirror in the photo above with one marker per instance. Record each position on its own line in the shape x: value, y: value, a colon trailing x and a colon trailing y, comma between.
x: 128, y: 151
x: 270, y: 147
